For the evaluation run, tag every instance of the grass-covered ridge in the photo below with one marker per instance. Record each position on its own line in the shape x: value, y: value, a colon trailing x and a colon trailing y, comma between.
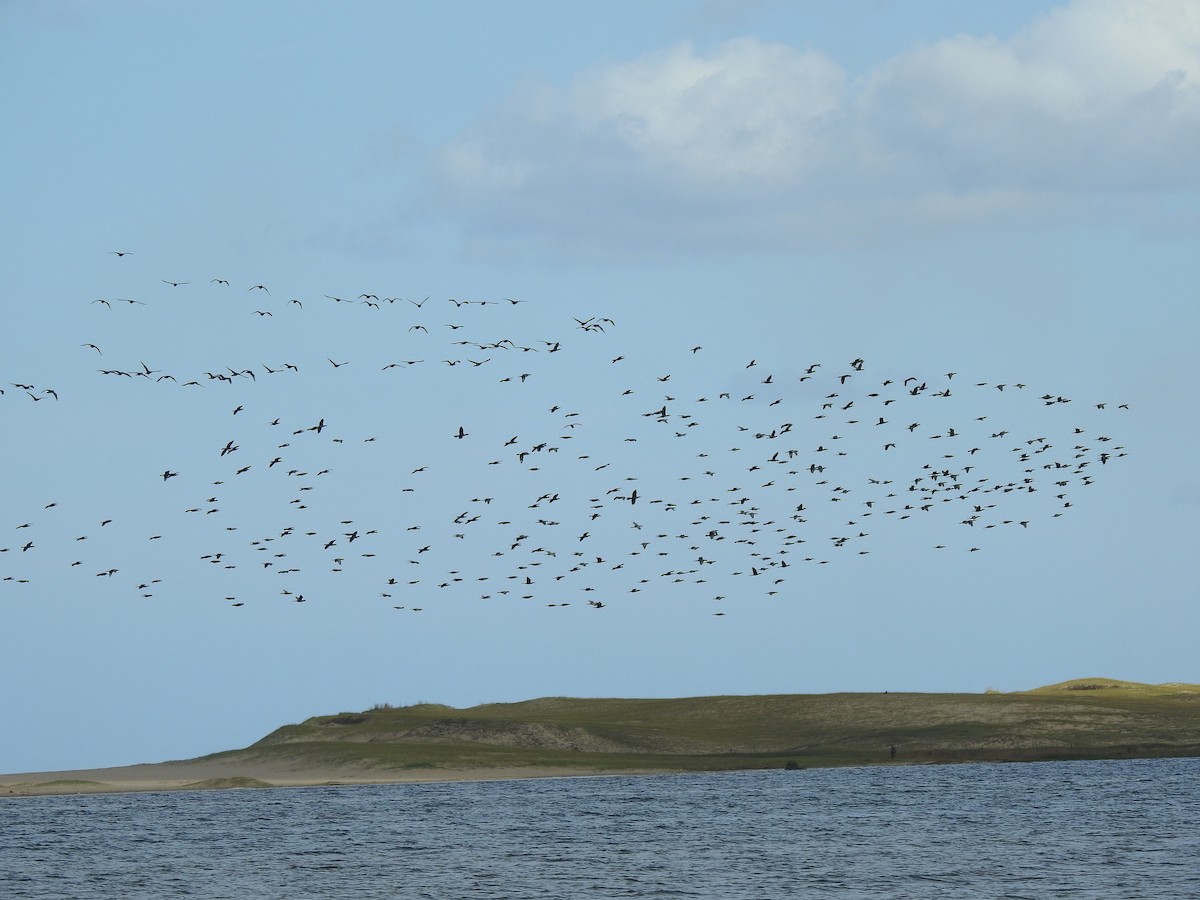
x: 1085, y: 718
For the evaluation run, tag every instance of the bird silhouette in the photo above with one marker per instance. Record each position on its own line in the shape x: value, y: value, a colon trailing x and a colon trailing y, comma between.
x: 711, y: 508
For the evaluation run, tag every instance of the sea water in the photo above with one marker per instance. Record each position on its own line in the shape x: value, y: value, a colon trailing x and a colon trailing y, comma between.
x: 1097, y: 829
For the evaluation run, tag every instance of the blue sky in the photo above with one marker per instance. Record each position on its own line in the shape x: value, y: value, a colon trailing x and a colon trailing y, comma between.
x: 891, y: 191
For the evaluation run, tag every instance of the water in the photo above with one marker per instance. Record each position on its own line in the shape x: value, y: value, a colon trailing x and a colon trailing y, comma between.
x: 1099, y: 829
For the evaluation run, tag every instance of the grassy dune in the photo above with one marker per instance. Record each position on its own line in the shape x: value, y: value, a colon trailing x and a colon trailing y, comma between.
x: 1082, y: 719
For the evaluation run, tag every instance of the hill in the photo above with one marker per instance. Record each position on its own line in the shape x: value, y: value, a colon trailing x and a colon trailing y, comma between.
x: 1085, y: 718
x: 1091, y: 718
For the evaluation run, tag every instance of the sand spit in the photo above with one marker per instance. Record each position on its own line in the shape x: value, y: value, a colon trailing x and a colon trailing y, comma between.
x: 229, y: 774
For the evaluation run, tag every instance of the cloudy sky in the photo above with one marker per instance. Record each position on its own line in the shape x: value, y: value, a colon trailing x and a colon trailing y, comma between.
x: 475, y: 352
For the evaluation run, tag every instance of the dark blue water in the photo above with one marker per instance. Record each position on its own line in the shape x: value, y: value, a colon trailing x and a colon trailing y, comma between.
x: 1107, y: 829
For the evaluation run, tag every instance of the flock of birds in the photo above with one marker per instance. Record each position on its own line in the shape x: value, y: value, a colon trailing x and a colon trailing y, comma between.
x: 482, y: 476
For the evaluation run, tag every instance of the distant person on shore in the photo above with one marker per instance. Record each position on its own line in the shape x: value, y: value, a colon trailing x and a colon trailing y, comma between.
x: 893, y: 751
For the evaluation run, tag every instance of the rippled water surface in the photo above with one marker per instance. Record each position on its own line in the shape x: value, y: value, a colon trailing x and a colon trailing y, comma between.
x: 1106, y: 829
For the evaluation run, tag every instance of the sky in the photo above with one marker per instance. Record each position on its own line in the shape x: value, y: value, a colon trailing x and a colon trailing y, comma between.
x: 473, y: 352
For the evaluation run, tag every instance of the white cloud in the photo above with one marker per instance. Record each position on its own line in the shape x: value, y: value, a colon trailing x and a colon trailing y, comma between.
x: 1099, y: 97
x: 747, y: 113
x: 759, y: 144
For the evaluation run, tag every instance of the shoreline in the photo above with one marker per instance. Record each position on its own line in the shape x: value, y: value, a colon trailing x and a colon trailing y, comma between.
x: 198, y: 776
x: 203, y: 775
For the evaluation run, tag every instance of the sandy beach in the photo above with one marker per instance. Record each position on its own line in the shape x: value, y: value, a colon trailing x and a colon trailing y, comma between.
x: 233, y: 774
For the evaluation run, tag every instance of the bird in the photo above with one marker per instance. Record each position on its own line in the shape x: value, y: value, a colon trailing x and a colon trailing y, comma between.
x: 697, y: 494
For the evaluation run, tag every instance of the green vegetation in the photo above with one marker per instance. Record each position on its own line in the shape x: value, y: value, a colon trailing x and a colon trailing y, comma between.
x: 64, y: 783
x: 1082, y: 719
